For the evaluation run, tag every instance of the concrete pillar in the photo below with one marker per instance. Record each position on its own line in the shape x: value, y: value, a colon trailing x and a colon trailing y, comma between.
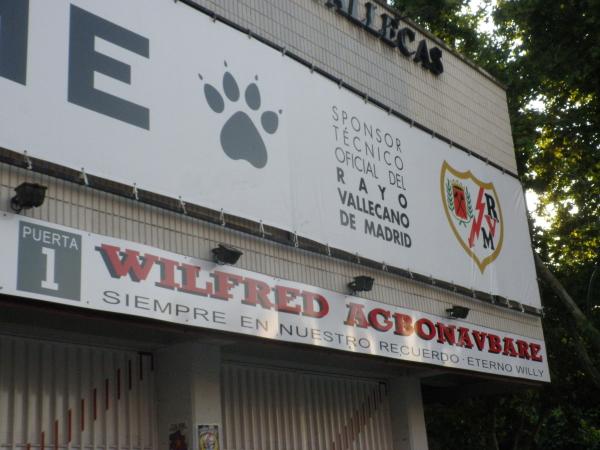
x: 188, y: 389
x: 408, y: 417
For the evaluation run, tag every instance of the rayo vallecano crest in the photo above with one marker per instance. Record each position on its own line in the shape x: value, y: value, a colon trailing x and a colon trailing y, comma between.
x: 473, y: 211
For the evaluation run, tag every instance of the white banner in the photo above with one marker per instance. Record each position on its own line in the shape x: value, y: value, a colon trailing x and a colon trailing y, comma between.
x: 63, y: 265
x: 159, y: 95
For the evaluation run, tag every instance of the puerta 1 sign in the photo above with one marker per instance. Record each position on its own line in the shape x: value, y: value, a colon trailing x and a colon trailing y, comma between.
x: 142, y: 95
x: 129, y: 278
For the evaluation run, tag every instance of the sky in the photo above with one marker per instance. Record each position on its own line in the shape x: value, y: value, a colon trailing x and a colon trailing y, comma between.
x: 488, y: 26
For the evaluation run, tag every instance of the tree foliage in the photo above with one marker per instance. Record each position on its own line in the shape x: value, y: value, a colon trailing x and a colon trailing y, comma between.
x: 557, y: 48
x: 547, y: 52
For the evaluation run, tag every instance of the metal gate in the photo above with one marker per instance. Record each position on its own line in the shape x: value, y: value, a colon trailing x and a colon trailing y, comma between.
x: 272, y: 409
x: 56, y: 396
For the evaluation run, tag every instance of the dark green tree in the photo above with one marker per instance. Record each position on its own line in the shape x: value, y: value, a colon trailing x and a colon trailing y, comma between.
x: 547, y: 52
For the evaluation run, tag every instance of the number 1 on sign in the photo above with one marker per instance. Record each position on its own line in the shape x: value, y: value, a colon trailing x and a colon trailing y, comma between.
x: 49, y: 282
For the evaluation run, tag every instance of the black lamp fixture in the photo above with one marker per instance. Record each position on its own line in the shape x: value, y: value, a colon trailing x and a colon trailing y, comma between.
x: 458, y: 312
x: 226, y: 254
x: 29, y: 195
x: 361, y: 283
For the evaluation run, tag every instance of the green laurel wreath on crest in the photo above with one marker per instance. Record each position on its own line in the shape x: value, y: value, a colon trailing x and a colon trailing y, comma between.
x: 450, y: 199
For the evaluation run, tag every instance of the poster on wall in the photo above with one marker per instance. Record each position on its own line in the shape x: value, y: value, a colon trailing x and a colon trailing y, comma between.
x: 61, y: 265
x: 208, y: 437
x: 178, y: 436
x: 143, y: 95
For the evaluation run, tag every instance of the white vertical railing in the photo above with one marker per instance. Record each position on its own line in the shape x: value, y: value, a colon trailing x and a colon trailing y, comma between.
x: 57, y: 396
x: 273, y: 409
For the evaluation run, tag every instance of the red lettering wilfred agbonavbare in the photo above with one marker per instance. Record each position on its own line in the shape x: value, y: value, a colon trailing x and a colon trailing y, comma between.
x: 404, y: 325
x: 184, y: 278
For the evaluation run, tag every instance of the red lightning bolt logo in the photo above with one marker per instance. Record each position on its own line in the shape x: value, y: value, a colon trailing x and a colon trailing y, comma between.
x: 476, y: 227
